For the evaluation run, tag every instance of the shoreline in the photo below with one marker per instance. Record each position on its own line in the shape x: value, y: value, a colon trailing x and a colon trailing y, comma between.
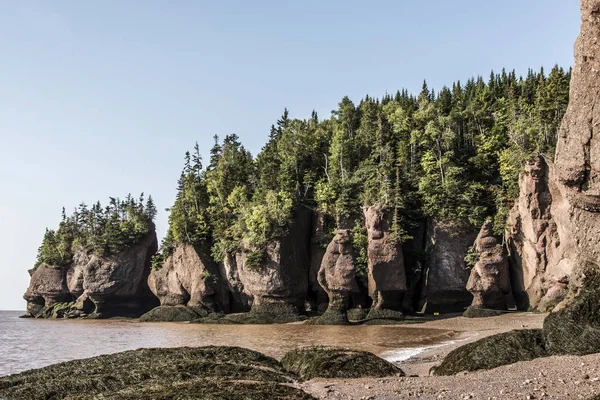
x: 556, y: 377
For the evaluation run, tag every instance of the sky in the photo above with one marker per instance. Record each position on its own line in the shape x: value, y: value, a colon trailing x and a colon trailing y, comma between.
x: 102, y: 99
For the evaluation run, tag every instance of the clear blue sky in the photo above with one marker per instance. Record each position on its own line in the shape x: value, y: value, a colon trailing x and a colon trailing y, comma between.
x: 102, y: 98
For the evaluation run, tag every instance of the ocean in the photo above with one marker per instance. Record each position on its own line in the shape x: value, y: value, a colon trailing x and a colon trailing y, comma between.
x: 34, y: 343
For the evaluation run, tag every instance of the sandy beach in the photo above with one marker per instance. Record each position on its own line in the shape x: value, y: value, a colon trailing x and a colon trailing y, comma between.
x: 566, y: 377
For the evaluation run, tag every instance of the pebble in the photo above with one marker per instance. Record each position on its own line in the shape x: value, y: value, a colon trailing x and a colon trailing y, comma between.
x: 586, y: 377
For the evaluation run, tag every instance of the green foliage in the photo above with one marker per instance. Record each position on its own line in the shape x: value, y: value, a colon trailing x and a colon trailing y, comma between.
x: 360, y: 243
x: 105, y: 231
x: 453, y: 154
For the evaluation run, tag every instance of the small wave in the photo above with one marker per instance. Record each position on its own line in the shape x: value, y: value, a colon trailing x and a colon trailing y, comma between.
x: 400, y: 355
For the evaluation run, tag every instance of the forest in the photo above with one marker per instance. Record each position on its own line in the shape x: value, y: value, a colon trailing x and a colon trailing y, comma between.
x: 453, y: 154
x: 103, y: 230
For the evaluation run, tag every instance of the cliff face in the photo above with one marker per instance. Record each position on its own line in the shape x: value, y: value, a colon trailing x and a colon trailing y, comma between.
x: 445, y: 274
x: 555, y: 224
x: 387, y: 276
x: 280, y: 277
x: 97, y: 286
x: 189, y: 278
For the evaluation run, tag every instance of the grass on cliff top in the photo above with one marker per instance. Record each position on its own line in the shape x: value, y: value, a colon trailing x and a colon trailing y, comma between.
x: 180, y: 373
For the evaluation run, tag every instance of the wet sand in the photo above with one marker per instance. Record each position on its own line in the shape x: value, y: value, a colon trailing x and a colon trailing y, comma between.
x: 566, y: 377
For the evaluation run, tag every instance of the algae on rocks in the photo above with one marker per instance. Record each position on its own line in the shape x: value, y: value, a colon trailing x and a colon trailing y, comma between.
x: 494, y: 351
x: 177, y: 373
x: 331, y: 362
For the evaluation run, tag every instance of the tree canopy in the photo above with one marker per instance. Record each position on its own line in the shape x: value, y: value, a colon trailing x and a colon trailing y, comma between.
x: 454, y: 154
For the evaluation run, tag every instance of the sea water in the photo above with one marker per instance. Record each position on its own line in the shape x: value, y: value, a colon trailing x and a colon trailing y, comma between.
x: 35, y: 343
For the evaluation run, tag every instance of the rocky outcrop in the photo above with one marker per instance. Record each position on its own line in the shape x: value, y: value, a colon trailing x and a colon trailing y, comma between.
x: 556, y: 224
x: 387, y: 277
x: 177, y: 373
x: 107, y: 286
x: 48, y: 286
x: 539, y: 273
x: 189, y: 278
x: 489, y: 281
x: 337, y: 278
x: 445, y: 276
x: 278, y: 274
x: 332, y: 362
x: 494, y: 351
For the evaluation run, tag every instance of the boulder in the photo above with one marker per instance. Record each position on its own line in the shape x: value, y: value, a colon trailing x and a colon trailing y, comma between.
x: 489, y: 281
x: 445, y: 275
x: 337, y: 278
x: 189, y: 278
x: 178, y: 313
x: 387, y: 277
x: 331, y: 362
x: 576, y: 328
x: 494, y: 351
x: 175, y: 373
x: 274, y: 313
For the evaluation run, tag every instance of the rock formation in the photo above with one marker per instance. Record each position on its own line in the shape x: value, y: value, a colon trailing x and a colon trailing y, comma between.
x: 555, y: 225
x: 337, y: 277
x: 445, y: 274
x: 114, y: 285
x: 317, y: 298
x: 279, y: 277
x: 539, y: 279
x: 189, y: 278
x: 489, y: 281
x: 169, y: 373
x: 556, y: 231
x: 387, y: 277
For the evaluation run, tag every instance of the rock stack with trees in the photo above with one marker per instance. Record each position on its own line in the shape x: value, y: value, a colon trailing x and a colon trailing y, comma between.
x: 408, y: 181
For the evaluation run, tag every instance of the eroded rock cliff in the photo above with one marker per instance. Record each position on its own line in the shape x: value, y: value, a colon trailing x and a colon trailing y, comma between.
x: 489, y: 281
x: 556, y: 223
x: 337, y: 276
x: 95, y: 286
x: 387, y: 276
x: 445, y: 276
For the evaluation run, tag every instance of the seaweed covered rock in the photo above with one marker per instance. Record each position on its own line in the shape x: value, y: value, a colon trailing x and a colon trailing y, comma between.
x: 476, y: 312
x: 494, y: 351
x: 387, y: 277
x: 189, y: 278
x: 177, y: 373
x: 174, y: 314
x: 331, y: 362
x: 277, y: 313
x: 576, y: 329
x: 384, y: 316
x: 489, y: 281
x: 337, y: 278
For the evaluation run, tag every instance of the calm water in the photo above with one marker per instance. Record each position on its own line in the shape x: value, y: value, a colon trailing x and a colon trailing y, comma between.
x: 26, y: 343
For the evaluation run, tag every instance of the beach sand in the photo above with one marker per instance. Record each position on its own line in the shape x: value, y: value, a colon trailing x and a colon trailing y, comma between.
x: 565, y: 377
